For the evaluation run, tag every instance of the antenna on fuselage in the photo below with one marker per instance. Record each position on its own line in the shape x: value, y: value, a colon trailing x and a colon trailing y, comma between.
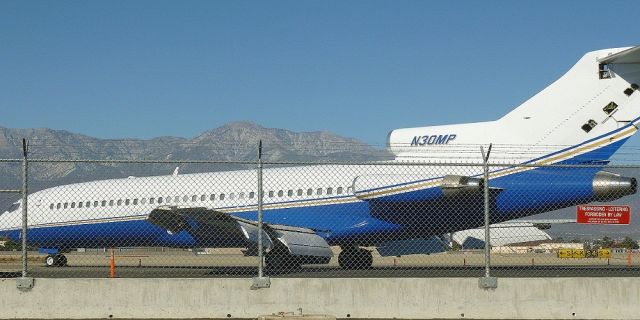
x: 175, y: 172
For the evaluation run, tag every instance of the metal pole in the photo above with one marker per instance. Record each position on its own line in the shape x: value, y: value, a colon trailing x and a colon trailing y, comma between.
x: 261, y: 281
x: 487, y: 281
x: 24, y: 283
x: 487, y: 233
x: 25, y: 170
x: 260, y: 249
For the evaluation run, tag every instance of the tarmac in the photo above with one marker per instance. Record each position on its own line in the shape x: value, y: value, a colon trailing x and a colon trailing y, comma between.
x: 231, y: 263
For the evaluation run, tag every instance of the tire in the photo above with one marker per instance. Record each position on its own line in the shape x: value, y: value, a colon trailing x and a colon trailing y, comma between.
x: 50, y: 261
x: 62, y: 260
x: 355, y: 259
x: 282, y: 263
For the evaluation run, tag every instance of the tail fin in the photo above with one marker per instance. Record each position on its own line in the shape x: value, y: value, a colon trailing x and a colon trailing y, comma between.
x: 584, y: 116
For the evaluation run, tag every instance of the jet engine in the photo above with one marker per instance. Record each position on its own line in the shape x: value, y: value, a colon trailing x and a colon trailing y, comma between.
x: 609, y: 186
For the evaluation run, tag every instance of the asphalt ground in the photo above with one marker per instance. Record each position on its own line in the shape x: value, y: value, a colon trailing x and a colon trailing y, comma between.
x: 232, y: 264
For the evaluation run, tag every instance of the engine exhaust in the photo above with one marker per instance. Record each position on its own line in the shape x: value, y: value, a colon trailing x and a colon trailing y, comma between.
x: 609, y: 186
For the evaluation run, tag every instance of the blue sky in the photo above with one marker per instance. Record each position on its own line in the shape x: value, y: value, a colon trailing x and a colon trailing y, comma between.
x: 358, y: 68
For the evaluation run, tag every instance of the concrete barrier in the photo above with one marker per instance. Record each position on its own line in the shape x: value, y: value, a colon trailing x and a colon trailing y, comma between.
x: 408, y: 298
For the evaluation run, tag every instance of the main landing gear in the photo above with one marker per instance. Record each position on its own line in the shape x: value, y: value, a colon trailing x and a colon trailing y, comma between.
x: 56, y: 260
x: 352, y: 258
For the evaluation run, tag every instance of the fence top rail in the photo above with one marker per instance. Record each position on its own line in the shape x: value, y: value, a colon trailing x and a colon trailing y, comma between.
x: 343, y: 163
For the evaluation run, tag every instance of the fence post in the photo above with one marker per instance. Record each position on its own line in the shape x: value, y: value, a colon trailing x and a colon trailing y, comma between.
x: 487, y: 282
x: 24, y: 282
x: 260, y: 281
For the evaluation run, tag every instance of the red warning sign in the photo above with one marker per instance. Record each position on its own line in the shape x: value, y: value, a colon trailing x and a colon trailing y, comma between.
x: 603, y: 214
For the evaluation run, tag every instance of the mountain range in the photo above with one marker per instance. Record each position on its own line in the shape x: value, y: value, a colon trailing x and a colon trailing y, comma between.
x: 235, y: 141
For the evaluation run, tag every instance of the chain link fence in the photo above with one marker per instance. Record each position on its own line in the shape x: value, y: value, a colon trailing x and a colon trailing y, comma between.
x: 294, y: 219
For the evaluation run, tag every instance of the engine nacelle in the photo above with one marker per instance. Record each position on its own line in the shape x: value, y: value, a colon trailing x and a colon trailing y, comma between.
x: 454, y: 185
x: 609, y: 186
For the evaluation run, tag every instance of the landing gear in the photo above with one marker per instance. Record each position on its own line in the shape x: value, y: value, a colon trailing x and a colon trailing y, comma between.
x: 55, y: 260
x: 282, y: 262
x: 352, y: 258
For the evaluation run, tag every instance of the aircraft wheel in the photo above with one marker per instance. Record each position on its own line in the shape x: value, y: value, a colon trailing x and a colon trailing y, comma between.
x: 282, y: 262
x: 62, y: 260
x: 355, y: 258
x: 50, y: 261
x: 55, y: 260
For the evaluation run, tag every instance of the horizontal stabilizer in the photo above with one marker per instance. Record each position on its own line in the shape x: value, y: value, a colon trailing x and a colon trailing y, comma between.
x: 631, y: 55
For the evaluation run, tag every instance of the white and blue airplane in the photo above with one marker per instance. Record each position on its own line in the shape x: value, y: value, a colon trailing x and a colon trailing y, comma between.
x: 582, y: 118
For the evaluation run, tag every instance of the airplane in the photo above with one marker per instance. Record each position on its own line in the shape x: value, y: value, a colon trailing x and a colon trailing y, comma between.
x: 580, y: 119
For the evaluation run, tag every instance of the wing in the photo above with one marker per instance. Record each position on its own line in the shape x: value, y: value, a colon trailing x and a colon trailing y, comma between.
x: 214, y: 228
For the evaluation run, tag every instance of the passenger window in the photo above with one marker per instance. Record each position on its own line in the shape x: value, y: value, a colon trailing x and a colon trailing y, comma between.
x: 88, y: 204
x: 221, y: 196
x: 80, y: 204
x: 350, y: 190
x: 270, y: 194
x: 159, y: 199
x: 152, y: 200
x: 176, y: 199
x: 143, y: 200
x: 212, y: 197
x: 111, y: 203
x: 66, y: 204
x: 280, y: 193
x: 73, y: 204
x: 241, y: 195
x: 203, y: 197
x: 119, y: 202
x: 252, y: 194
x: 329, y: 190
x: 185, y: 198
x: 51, y: 206
x: 628, y: 91
x: 299, y: 192
x: 104, y: 203
x: 339, y: 190
x: 58, y: 205
x: 290, y: 193
x: 95, y: 204
x: 319, y: 191
x: 194, y: 198
x: 126, y: 202
x: 135, y: 201
x: 168, y: 199
x: 309, y: 192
